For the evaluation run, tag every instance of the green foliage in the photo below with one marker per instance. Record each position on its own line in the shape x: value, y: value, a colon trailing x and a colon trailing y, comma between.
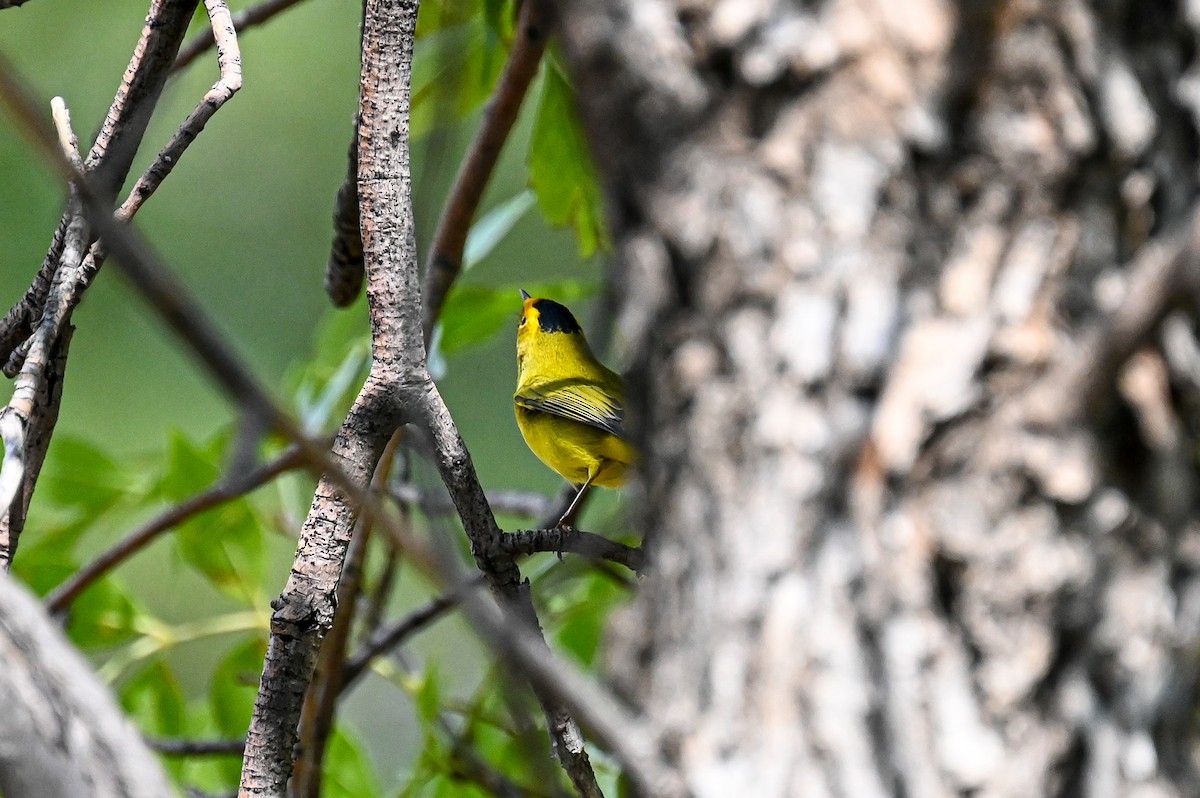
x: 348, y: 771
x: 560, y: 166
x: 234, y: 685
x: 225, y: 544
x: 154, y: 700
x: 454, y: 70
x: 493, y: 226
x: 578, y: 611
x: 83, y: 477
x: 105, y: 615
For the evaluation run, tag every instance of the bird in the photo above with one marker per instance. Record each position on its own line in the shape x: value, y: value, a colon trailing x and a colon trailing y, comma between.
x: 568, y: 404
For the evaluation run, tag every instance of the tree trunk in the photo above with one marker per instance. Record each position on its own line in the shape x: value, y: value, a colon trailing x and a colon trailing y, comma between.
x: 919, y: 476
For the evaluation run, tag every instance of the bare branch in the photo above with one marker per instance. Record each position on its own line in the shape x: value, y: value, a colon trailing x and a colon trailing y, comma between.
x: 59, y: 601
x: 229, y: 61
x: 444, y: 263
x: 112, y: 154
x: 575, y: 541
x: 527, y: 504
x: 246, y: 18
x: 628, y: 738
x: 56, y: 290
x: 198, y: 747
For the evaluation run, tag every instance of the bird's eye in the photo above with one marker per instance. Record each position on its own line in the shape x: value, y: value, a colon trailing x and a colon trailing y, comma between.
x: 522, y: 322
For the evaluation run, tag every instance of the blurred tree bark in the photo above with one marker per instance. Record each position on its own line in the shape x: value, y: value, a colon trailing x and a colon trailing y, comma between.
x: 908, y: 290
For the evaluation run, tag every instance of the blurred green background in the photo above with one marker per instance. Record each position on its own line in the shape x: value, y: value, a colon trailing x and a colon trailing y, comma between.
x: 245, y: 221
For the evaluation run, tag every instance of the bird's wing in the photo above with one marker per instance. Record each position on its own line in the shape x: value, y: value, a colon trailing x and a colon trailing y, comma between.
x: 576, y: 400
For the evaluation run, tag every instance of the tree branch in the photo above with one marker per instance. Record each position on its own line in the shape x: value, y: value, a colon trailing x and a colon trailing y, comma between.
x: 320, y: 707
x: 575, y: 541
x: 444, y: 262
x: 66, y: 272
x: 246, y: 18
x: 198, y: 747
x: 111, y: 156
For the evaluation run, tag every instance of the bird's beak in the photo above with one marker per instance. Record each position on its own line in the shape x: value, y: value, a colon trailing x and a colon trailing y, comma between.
x: 525, y: 294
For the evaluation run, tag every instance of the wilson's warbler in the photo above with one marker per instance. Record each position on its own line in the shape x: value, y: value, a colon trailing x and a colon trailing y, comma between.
x: 568, y: 404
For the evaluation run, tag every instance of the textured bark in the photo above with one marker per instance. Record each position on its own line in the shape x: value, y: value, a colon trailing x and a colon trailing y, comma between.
x: 892, y: 551
x: 63, y: 735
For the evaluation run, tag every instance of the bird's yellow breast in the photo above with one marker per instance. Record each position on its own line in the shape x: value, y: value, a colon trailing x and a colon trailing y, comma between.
x: 576, y: 450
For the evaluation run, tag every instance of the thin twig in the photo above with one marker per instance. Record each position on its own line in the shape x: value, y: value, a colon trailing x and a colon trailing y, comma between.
x: 59, y: 601
x: 444, y: 262
x: 246, y: 18
x: 198, y: 747
x: 525, y: 504
x: 401, y: 630
x: 30, y: 389
x: 575, y: 541
x: 229, y: 62
x: 111, y: 155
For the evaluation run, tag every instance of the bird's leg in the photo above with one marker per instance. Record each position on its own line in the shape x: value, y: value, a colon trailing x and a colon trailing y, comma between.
x: 562, y: 522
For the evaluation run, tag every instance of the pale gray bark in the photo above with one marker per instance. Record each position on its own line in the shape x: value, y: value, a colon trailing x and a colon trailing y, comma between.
x: 62, y: 734
x: 917, y: 524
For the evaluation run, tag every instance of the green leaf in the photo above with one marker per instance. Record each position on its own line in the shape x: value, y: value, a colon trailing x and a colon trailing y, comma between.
x: 474, y: 313
x: 78, y: 474
x: 191, y: 468
x: 46, y: 561
x: 226, y: 546
x: 103, y: 616
x: 348, y: 769
x: 234, y: 686
x: 154, y: 699
x: 491, y: 229
x: 582, y: 625
x: 437, y: 15
x: 561, y: 171
x: 428, y: 697
x: 454, y: 71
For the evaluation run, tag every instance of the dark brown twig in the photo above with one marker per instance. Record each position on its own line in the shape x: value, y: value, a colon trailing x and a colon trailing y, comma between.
x: 444, y: 262
x: 59, y: 601
x: 575, y: 541
x: 387, y: 639
x: 198, y: 747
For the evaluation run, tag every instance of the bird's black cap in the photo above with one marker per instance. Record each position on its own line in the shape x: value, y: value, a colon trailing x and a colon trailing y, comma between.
x: 553, y: 317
